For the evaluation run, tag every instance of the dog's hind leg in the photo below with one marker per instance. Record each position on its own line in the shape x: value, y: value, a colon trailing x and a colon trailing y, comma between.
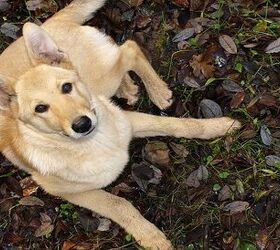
x: 128, y: 90
x: 122, y: 212
x: 132, y: 58
x: 144, y: 125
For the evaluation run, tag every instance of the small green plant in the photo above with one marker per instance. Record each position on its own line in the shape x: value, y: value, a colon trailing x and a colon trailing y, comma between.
x: 67, y: 212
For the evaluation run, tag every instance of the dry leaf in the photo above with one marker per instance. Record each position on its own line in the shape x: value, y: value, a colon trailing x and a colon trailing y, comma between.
x: 225, y: 193
x: 201, y: 68
x: 28, y: 186
x: 208, y: 109
x: 183, y: 35
x: 273, y: 47
x: 271, y: 160
x: 31, y: 201
x: 189, y: 81
x: 157, y: 152
x: 4, y: 5
x: 237, y: 99
x: 236, y: 207
x: 9, y: 30
x: 266, y: 135
x: 228, y: 44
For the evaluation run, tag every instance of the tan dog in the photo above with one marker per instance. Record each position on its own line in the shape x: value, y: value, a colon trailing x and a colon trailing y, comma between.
x: 57, y: 123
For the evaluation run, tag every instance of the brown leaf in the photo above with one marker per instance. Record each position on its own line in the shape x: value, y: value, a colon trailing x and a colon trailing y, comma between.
x: 262, y: 239
x: 157, y: 152
x: 228, y: 44
x: 273, y: 47
x: 68, y: 244
x: 237, y: 99
x: 45, y: 229
x: 28, y: 186
x: 122, y: 187
x: 200, y: 174
x: 236, y: 207
x: 225, y: 193
x: 31, y: 201
x: 268, y: 101
x: 179, y: 149
x: 181, y: 3
x: 201, y: 68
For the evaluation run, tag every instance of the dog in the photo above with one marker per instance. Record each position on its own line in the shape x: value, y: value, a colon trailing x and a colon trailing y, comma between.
x: 57, y: 121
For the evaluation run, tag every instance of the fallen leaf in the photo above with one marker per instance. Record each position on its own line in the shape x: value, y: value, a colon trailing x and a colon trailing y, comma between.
x: 181, y: 3
x: 236, y: 207
x: 143, y: 174
x: 231, y: 86
x: 28, y: 186
x: 4, y: 5
x: 271, y: 160
x: 9, y: 30
x: 200, y: 174
x: 225, y: 193
x: 88, y: 222
x: 179, y: 149
x: 208, y: 109
x: 45, y: 229
x: 122, y: 187
x: 68, y: 244
x: 31, y: 201
x: 189, y: 81
x: 262, y: 239
x: 266, y: 135
x: 237, y: 99
x: 33, y: 5
x: 228, y: 44
x: 201, y: 68
x: 157, y: 152
x: 273, y: 47
x: 104, y: 224
x: 183, y: 35
x: 268, y: 101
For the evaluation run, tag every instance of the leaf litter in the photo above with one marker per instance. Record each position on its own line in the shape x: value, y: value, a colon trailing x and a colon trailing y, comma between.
x: 233, y: 46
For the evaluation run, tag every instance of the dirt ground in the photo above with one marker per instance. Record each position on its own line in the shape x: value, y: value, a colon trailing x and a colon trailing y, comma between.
x: 219, y: 58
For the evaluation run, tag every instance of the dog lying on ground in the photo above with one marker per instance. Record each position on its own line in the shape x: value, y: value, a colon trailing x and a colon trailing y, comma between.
x: 58, y: 124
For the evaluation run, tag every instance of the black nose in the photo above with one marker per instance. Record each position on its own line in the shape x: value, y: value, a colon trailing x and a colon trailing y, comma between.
x: 82, y: 124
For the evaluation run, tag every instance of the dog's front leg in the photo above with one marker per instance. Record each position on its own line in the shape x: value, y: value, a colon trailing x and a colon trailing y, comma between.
x: 145, y: 125
x: 122, y: 212
x: 132, y: 58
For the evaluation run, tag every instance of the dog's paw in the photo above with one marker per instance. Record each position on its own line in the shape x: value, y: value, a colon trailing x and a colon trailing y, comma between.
x: 128, y: 92
x: 161, y: 95
x: 232, y: 125
x: 156, y: 241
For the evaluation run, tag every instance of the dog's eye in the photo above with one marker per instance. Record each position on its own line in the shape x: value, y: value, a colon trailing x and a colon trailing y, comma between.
x: 41, y: 108
x: 66, y: 88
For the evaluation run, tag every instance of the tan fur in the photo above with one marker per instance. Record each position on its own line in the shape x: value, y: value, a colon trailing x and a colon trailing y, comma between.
x: 72, y: 165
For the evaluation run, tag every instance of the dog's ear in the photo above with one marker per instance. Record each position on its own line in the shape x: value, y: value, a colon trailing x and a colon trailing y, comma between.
x: 6, y: 91
x: 40, y: 46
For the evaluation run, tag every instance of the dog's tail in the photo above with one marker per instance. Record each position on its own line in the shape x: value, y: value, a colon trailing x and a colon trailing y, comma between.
x: 79, y: 11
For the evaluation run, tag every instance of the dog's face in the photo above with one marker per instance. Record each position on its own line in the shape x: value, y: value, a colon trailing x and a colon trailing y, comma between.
x: 50, y: 97
x: 54, y: 100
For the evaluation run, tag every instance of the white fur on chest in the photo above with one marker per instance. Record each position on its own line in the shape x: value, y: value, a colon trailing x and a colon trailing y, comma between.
x: 97, y: 160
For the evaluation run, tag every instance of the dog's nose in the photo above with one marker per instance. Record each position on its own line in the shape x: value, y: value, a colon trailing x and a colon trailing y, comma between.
x: 82, y: 124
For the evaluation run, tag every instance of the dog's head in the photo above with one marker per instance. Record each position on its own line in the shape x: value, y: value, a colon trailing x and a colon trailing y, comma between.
x: 50, y: 97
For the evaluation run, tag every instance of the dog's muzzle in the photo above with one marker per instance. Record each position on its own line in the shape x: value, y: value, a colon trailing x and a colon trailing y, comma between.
x: 82, y: 125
